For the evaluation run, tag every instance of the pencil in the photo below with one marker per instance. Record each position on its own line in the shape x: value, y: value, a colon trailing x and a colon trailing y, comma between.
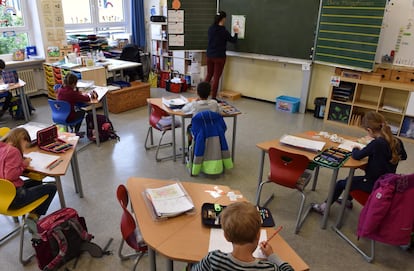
x: 55, y: 164
x: 274, y: 234
x: 51, y: 163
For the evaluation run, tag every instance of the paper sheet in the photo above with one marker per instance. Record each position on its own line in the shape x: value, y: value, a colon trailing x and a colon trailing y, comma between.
x: 300, y: 142
x: 217, y: 241
x: 349, y: 145
x: 41, y: 160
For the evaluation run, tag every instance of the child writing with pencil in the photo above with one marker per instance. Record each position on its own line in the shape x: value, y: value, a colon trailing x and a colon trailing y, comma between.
x: 383, y: 152
x: 241, y: 223
x: 12, y: 165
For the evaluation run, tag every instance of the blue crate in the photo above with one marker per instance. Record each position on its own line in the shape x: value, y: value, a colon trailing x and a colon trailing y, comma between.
x: 287, y: 104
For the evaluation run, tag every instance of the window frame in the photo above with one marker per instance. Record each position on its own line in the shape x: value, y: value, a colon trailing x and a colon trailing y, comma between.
x: 27, y: 19
x: 95, y: 26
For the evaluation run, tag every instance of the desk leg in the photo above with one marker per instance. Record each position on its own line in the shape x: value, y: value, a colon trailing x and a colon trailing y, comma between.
x: 105, y: 106
x: 151, y: 257
x: 345, y: 197
x: 76, y: 175
x: 25, y: 107
x: 260, y: 178
x: 330, y: 197
x: 60, y: 192
x: 183, y: 137
x: 315, y: 178
x: 233, y: 140
x: 170, y: 265
x: 95, y: 125
x: 173, y: 138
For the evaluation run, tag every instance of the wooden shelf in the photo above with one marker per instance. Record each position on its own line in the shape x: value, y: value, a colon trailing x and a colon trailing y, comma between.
x: 369, y: 96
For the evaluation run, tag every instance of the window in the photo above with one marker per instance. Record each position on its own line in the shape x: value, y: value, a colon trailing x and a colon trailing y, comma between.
x: 96, y: 16
x: 14, y: 31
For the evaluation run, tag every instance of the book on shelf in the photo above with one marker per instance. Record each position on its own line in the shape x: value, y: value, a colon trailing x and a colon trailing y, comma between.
x: 168, y: 201
x: 303, y: 143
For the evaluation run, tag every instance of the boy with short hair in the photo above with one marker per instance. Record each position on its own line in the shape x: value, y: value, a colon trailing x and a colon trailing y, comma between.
x: 202, y: 103
x: 241, y: 223
x: 6, y: 95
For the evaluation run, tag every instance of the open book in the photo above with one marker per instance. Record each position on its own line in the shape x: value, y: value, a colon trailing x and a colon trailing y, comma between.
x: 168, y: 201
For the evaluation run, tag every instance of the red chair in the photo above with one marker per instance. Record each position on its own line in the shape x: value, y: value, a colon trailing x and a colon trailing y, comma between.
x: 289, y: 170
x: 161, y: 121
x: 130, y: 231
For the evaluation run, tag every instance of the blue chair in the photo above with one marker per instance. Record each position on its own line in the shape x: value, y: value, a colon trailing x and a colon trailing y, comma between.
x: 60, y: 112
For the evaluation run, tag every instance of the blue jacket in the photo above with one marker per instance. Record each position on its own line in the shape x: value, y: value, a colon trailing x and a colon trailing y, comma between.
x: 211, y: 152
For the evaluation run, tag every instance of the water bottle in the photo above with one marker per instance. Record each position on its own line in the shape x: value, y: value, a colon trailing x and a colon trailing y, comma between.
x: 152, y: 11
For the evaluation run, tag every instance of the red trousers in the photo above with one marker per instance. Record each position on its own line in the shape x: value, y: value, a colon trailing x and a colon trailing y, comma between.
x: 215, y: 66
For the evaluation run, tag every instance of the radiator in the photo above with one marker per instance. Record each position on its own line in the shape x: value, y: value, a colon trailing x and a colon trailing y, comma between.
x: 28, y: 77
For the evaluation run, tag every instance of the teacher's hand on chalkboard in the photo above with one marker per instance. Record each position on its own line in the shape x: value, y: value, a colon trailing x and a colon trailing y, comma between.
x: 236, y: 29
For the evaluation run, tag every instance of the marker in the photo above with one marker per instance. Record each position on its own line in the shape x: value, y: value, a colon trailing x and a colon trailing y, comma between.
x: 55, y: 164
x: 274, y: 234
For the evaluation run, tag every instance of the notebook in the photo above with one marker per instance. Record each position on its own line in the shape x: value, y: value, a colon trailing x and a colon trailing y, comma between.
x: 10, y: 77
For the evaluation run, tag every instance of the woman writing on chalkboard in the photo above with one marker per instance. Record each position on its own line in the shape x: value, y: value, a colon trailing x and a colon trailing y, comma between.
x: 218, y: 36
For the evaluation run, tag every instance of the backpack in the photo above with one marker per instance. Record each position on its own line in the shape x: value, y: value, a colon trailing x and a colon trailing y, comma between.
x: 105, y: 128
x: 62, y: 236
x: 16, y: 108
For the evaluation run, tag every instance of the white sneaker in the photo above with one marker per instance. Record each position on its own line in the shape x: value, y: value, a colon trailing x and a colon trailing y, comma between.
x: 319, y: 208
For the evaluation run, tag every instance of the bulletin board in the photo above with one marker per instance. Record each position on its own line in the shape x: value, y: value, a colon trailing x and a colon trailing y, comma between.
x: 397, y: 33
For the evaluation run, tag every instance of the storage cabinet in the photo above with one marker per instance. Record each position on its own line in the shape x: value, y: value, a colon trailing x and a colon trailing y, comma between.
x: 348, y: 102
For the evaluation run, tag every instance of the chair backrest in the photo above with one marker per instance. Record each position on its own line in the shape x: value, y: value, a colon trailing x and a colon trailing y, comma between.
x: 7, y: 194
x: 156, y: 114
x: 131, y: 52
x: 128, y: 225
x: 360, y: 196
x: 4, y: 131
x: 60, y: 111
x: 57, y: 87
x: 286, y: 167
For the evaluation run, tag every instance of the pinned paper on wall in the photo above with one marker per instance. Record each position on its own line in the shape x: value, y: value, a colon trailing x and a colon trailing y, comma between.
x: 176, y: 40
x: 176, y: 28
x: 335, y: 81
x: 175, y: 15
x: 238, y: 21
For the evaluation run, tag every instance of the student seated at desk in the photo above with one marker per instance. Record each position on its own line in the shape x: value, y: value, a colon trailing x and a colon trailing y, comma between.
x: 7, y: 96
x: 71, y: 94
x: 384, y: 153
x: 241, y: 224
x: 12, y: 165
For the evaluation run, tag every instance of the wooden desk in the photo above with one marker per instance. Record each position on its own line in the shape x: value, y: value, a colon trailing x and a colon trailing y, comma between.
x: 174, y: 113
x: 69, y: 156
x: 351, y: 163
x: 184, y: 238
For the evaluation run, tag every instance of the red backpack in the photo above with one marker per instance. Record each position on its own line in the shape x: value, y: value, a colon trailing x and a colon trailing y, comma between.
x: 62, y: 236
x: 105, y: 128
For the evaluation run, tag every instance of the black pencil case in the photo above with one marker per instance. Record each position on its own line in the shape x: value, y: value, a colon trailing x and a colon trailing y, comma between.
x: 210, y: 215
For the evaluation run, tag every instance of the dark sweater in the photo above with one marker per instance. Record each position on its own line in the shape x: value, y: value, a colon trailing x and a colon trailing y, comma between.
x: 218, y: 37
x: 379, y: 155
x: 73, y: 97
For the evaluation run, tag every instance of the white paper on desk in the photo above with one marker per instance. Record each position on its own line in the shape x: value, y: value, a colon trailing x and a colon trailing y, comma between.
x: 85, y: 83
x: 32, y: 128
x: 175, y: 102
x: 101, y: 91
x: 4, y: 87
x: 41, y: 160
x: 217, y: 241
x: 349, y: 145
x: 312, y: 145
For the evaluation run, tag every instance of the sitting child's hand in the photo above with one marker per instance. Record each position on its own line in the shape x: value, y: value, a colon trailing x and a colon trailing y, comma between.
x: 26, y: 161
x: 93, y: 95
x: 266, y: 248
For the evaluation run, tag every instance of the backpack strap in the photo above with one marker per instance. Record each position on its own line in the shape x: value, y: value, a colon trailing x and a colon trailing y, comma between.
x: 63, y: 248
x: 84, y: 235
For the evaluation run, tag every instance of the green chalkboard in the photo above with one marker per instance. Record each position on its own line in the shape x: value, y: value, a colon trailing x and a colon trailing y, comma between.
x: 275, y: 27
x: 198, y: 16
x: 349, y: 31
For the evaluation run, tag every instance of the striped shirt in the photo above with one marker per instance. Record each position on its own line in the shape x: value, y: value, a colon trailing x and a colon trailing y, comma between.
x: 220, y: 261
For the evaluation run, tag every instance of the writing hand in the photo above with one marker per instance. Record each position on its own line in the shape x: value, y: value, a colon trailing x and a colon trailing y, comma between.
x: 266, y: 248
x: 26, y: 161
x: 93, y: 95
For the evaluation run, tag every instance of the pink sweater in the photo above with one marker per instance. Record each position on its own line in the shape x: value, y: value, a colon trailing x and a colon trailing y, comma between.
x: 11, y: 164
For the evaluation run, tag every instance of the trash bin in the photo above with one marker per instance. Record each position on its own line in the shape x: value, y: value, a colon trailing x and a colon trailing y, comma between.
x: 320, y: 103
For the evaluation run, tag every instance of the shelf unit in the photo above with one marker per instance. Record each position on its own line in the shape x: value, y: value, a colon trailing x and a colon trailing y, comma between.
x: 349, y: 101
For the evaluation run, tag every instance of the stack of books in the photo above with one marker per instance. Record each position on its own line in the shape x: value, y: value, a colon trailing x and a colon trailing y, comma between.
x: 168, y: 201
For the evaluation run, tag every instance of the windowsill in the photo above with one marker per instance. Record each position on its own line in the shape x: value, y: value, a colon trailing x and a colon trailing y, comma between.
x: 23, y: 63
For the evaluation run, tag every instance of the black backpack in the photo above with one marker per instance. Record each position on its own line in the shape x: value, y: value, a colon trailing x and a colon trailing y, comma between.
x: 16, y: 108
x: 105, y: 128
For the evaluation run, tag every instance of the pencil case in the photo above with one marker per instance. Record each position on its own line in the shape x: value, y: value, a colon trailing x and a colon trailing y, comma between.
x: 47, y: 139
x: 210, y: 215
x: 332, y: 157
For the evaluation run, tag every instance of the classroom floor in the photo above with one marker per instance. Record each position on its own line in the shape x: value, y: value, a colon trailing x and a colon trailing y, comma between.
x: 103, y: 169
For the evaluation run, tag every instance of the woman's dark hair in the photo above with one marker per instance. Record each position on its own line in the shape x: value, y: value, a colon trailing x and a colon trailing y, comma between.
x: 219, y: 16
x: 2, y: 64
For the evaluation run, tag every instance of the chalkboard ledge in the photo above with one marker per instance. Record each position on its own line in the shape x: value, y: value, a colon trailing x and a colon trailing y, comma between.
x: 336, y: 65
x: 270, y: 58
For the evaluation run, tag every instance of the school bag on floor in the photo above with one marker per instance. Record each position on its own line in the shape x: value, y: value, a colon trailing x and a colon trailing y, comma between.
x: 62, y: 236
x: 105, y: 128
x: 16, y: 108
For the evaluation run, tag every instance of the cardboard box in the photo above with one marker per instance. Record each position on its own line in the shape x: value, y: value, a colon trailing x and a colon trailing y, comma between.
x: 287, y: 104
x: 128, y: 98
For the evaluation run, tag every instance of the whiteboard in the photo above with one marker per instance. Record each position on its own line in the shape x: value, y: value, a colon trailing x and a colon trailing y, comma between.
x: 397, y: 33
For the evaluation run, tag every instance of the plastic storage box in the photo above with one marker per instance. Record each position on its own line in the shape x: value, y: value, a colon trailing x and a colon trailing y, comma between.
x: 287, y: 104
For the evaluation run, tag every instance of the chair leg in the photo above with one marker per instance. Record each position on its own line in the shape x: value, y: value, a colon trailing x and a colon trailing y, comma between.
x: 137, y: 261
x: 23, y: 260
x: 259, y: 191
x: 125, y: 257
x: 150, y: 135
x: 315, y: 178
x: 4, y: 238
x: 368, y: 258
x: 301, y: 217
